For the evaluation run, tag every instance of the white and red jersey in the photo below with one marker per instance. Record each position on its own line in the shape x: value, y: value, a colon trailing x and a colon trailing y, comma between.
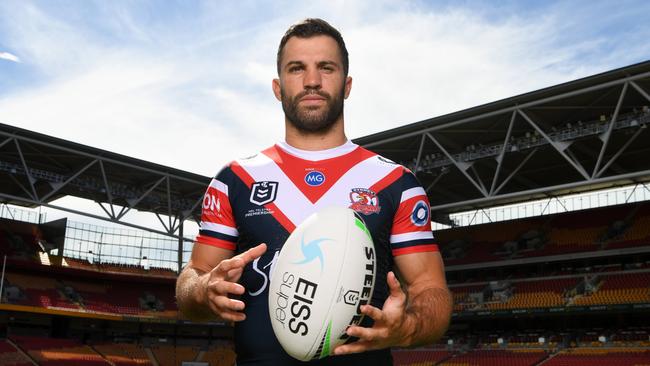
x: 263, y: 198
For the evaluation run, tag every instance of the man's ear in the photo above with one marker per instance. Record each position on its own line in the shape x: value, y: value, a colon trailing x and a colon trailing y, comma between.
x: 277, y: 89
x: 348, y: 86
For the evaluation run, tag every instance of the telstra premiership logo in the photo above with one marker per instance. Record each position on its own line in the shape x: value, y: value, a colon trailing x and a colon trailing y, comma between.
x: 311, y: 251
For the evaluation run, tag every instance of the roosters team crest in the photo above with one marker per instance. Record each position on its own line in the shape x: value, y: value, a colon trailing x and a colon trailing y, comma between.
x: 364, y: 201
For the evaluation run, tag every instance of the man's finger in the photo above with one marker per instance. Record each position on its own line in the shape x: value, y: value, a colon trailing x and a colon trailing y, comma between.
x: 234, y: 274
x: 394, y: 285
x: 252, y: 253
x: 355, y: 347
x: 373, y: 312
x: 227, y: 304
x: 232, y: 316
x: 364, y: 334
x: 224, y: 288
x: 227, y: 265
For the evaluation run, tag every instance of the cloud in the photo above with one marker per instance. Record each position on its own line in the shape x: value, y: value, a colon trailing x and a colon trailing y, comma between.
x: 411, y: 66
x: 178, y: 84
x: 9, y: 57
x: 190, y: 87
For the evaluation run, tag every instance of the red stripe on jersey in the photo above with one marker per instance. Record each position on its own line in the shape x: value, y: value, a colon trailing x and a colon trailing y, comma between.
x: 415, y: 249
x: 297, y: 169
x: 404, y: 212
x: 388, y: 179
x: 275, y: 211
x: 216, y: 208
x: 208, y: 240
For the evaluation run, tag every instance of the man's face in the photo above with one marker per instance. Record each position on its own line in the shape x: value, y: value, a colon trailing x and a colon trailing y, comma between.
x: 312, y: 84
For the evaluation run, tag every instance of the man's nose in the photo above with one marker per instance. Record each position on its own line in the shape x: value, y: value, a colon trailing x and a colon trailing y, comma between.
x: 312, y: 79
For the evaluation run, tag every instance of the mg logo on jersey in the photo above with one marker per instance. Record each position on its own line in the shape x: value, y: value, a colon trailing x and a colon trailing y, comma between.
x: 263, y: 192
x: 314, y: 178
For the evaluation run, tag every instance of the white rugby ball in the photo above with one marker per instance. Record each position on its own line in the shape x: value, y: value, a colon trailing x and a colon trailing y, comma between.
x: 324, y: 273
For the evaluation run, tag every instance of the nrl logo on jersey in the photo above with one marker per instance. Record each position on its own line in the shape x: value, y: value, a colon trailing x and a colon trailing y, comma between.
x: 364, y: 201
x: 264, y: 192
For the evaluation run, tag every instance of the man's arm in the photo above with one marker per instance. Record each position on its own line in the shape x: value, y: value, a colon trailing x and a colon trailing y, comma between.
x: 205, y: 286
x: 429, y: 303
x: 417, y: 316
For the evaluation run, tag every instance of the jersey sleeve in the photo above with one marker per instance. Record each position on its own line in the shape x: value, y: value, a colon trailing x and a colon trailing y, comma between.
x: 411, y: 231
x: 218, y: 227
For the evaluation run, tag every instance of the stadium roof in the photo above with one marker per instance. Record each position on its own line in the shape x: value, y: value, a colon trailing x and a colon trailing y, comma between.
x: 582, y: 135
x: 36, y: 170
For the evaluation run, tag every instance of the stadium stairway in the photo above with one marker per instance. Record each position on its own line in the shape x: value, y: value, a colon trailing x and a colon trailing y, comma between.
x: 200, y: 355
x: 151, y: 356
x: 548, y: 359
x: 27, y: 357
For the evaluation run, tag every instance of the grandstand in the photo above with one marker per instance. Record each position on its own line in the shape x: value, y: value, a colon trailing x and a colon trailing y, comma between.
x: 537, y: 277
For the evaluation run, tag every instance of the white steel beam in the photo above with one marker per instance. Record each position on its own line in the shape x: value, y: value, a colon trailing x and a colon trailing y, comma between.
x: 605, y: 137
x: 559, y: 147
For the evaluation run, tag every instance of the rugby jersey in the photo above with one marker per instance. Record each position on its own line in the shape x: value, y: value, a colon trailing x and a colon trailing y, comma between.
x: 261, y: 199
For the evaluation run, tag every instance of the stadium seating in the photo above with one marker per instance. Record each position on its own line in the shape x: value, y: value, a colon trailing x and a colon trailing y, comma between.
x: 59, y: 352
x: 483, y: 241
x: 419, y: 357
x: 639, y: 337
x: 571, y: 232
x: 92, y: 295
x: 117, y: 268
x: 460, y: 295
x: 497, y: 358
x: 19, y: 240
x: 607, y: 356
x: 116, y: 300
x: 123, y: 354
x: 79, y: 263
x: 39, y: 291
x: 220, y: 354
x: 169, y: 355
x: 537, y: 294
x: 619, y: 289
x: 10, y: 356
x: 580, y: 356
x: 638, y: 232
x: 109, y: 289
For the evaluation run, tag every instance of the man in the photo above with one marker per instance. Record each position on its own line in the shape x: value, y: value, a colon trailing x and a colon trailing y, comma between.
x: 263, y: 198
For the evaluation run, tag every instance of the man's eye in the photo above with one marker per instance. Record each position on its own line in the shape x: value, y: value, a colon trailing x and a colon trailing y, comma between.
x: 295, y: 69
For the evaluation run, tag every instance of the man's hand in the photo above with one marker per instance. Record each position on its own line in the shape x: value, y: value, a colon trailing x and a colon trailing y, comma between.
x: 216, y: 287
x: 391, y: 328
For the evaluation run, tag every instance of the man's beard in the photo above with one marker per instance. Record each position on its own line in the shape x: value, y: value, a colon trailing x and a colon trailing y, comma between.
x: 312, y: 120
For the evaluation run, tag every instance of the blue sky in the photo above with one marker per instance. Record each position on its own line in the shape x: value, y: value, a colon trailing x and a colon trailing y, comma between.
x: 188, y: 83
x: 139, y: 77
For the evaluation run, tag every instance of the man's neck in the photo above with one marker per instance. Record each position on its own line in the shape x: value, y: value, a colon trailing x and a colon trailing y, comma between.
x: 312, y: 141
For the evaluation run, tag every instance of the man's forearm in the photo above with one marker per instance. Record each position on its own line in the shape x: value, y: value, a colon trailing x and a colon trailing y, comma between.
x: 187, y: 296
x: 428, y: 313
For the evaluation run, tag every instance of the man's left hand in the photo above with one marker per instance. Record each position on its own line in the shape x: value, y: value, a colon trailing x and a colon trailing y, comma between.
x: 392, y: 325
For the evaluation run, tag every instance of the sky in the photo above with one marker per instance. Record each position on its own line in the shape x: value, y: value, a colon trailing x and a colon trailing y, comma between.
x: 188, y: 83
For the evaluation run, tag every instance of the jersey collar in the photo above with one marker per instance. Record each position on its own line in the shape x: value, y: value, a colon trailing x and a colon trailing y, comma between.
x: 318, y: 155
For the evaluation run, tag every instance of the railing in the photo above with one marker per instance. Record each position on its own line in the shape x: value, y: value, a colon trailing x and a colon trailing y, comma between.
x: 114, y: 245
x: 548, y: 206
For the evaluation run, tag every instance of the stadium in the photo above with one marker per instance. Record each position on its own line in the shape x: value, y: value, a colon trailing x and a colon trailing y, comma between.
x: 542, y: 214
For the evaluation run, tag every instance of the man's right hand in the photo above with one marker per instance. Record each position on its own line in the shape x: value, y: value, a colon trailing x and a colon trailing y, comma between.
x: 220, y: 283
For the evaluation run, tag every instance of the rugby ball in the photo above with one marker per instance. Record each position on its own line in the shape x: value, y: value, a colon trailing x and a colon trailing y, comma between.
x: 324, y: 273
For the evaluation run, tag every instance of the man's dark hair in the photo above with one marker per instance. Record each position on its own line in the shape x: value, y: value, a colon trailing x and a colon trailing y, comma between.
x: 312, y: 27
